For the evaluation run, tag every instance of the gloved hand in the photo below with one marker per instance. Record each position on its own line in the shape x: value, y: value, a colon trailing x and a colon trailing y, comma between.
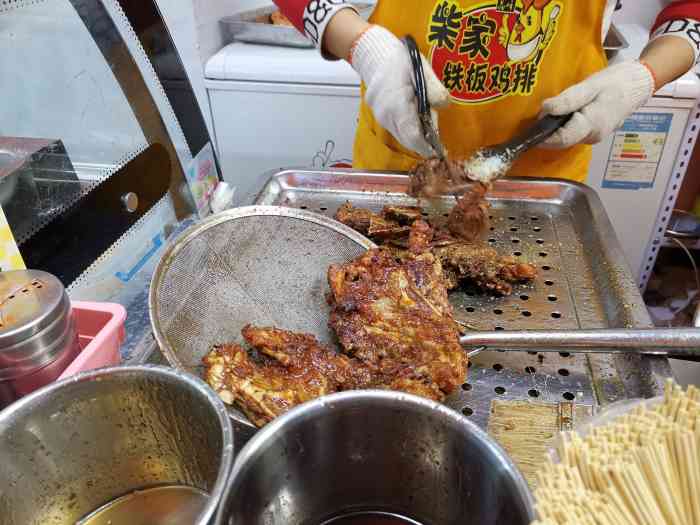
x: 383, y: 63
x: 600, y: 104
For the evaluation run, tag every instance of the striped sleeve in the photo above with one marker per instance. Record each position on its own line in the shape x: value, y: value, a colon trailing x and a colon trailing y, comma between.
x: 680, y: 19
x: 681, y: 9
x: 311, y: 16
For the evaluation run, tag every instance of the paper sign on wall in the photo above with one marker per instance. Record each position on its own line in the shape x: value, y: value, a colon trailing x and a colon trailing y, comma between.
x: 636, y: 151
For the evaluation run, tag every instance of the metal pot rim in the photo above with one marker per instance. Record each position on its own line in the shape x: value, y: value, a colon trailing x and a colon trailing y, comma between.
x: 254, y: 446
x: 227, y: 452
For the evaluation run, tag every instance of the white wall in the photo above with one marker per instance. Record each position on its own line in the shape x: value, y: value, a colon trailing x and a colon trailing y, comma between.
x: 194, y: 25
x: 207, y: 14
x: 642, y: 12
x: 180, y: 18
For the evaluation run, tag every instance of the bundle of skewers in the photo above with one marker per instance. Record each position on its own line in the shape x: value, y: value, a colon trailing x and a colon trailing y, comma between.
x: 642, y: 467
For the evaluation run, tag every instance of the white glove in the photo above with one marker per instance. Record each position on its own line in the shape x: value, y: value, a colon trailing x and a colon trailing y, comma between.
x: 384, y: 65
x: 600, y: 104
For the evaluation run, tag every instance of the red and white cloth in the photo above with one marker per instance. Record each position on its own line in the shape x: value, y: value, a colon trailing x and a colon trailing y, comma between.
x: 312, y: 16
x: 600, y: 103
x: 680, y: 18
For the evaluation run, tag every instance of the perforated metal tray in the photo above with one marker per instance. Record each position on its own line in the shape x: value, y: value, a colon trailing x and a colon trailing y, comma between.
x: 583, y: 282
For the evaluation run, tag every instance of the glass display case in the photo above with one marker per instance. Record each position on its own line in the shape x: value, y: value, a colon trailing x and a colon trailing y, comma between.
x: 99, y: 154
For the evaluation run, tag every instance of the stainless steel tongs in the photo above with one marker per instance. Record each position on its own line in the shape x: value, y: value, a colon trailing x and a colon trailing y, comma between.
x: 506, y: 152
x: 424, y: 114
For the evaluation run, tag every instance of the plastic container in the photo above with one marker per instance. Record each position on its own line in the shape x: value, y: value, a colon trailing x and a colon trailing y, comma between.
x: 100, y: 332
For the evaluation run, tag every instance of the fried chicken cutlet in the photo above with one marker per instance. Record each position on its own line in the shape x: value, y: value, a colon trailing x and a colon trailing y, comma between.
x: 295, y: 368
x: 483, y: 267
x: 393, y: 313
x: 470, y: 216
x: 434, y: 177
x: 461, y: 261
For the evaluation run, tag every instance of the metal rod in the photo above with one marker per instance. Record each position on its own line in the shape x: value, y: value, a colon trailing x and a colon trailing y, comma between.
x: 682, y: 342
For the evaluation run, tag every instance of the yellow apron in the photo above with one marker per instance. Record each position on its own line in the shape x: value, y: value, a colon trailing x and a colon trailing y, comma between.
x: 500, y: 59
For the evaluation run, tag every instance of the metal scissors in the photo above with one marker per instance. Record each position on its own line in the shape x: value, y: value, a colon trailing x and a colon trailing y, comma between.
x: 421, y: 90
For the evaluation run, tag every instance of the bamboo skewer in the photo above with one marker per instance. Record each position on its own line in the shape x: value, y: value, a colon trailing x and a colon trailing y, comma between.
x: 641, y: 468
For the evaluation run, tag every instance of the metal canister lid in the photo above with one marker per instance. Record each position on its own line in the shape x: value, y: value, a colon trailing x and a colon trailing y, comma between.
x: 30, y: 301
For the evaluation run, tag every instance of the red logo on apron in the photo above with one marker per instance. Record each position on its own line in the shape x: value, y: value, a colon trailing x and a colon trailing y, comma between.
x: 494, y: 49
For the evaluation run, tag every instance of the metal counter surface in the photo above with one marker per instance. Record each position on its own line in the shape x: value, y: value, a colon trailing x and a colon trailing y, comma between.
x: 584, y: 282
x: 588, y: 295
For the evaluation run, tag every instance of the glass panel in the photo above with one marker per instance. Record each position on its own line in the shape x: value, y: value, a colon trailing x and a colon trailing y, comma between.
x: 59, y: 86
x: 77, y: 113
x: 65, y: 124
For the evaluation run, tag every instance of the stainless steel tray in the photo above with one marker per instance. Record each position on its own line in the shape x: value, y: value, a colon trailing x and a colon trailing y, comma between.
x: 247, y: 27
x: 583, y: 282
x: 615, y: 40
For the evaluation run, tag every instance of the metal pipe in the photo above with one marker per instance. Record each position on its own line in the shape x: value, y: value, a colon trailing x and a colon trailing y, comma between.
x: 684, y: 342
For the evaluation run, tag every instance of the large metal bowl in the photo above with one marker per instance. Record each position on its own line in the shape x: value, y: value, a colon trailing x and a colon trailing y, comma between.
x: 375, y: 451
x: 76, y: 445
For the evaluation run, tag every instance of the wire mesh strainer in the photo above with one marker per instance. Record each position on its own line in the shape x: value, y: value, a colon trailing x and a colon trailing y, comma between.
x: 263, y: 265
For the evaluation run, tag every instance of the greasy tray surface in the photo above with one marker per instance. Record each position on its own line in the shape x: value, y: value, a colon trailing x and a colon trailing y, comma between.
x: 545, y: 222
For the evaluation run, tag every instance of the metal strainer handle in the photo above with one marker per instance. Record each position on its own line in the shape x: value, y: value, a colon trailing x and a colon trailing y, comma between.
x: 680, y: 342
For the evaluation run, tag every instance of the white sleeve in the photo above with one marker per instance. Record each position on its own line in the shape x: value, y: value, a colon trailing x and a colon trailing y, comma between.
x: 317, y: 15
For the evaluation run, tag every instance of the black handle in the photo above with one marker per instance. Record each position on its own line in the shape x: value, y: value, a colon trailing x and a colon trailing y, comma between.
x: 683, y: 357
x: 536, y: 134
x: 418, y: 76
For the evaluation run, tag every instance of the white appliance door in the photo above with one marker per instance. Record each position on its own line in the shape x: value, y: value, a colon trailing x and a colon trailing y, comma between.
x: 272, y: 126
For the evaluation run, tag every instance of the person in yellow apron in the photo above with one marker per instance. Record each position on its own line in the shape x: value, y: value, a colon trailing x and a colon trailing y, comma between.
x: 494, y: 66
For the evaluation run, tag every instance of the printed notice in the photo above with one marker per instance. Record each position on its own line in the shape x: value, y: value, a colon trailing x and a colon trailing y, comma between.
x: 202, y: 178
x: 636, y: 151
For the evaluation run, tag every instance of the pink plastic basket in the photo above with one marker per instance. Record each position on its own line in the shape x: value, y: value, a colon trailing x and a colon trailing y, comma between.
x: 101, y: 333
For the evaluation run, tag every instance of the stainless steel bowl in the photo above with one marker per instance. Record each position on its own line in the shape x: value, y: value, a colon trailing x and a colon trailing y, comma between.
x: 76, y: 445
x: 374, y: 451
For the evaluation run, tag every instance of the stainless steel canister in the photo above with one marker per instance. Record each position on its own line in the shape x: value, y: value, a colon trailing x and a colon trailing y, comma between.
x: 38, y: 335
x: 374, y: 451
x: 101, y: 437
